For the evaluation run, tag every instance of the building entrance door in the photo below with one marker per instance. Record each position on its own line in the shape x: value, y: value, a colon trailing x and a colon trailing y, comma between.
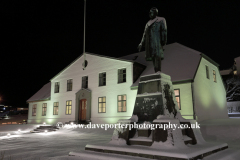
x: 82, y: 109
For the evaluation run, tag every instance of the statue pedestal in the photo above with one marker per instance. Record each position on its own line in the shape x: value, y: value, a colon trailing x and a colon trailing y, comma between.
x: 155, y: 104
x: 155, y: 97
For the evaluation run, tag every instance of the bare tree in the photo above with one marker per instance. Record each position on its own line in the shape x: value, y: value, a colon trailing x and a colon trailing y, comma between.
x: 233, y: 89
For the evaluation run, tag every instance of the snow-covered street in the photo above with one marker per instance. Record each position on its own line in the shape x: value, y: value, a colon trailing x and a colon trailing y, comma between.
x: 49, y: 145
x: 57, y: 145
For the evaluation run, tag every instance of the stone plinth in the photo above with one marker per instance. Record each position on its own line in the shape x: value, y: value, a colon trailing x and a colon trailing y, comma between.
x: 155, y: 97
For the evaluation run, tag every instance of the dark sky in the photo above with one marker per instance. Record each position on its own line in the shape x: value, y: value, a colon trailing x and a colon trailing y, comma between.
x: 40, y: 38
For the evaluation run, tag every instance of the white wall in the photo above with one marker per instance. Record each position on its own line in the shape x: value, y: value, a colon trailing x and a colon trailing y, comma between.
x: 209, y: 96
x: 96, y: 65
x: 185, y: 100
x: 49, y: 118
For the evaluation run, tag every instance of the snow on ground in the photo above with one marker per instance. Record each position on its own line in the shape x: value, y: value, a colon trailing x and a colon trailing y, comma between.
x: 57, y: 145
x: 223, y: 130
x: 47, y: 145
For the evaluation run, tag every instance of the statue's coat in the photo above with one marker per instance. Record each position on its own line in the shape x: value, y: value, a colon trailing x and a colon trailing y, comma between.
x: 155, y: 37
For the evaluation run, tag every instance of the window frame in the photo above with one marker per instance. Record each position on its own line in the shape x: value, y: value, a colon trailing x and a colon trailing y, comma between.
x: 179, y: 106
x: 214, y: 76
x: 67, y: 108
x: 57, y: 87
x: 43, y: 106
x: 122, y: 74
x: 34, y: 105
x: 102, y: 79
x: 102, y: 102
x: 69, y: 85
x: 85, y: 82
x: 207, y: 72
x: 55, y: 106
x: 121, y: 103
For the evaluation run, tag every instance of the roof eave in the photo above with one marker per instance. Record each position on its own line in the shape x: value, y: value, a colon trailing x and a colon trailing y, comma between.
x: 40, y: 100
x: 174, y: 83
x: 210, y: 60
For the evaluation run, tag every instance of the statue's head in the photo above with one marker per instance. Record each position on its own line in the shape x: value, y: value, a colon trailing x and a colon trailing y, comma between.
x: 153, y: 13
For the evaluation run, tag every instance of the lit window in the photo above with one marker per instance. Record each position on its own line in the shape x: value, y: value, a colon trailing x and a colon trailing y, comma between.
x: 69, y: 85
x: 44, y: 109
x: 34, y: 110
x: 177, y: 95
x: 122, y: 75
x: 69, y: 107
x: 102, y: 79
x: 214, y: 76
x: 56, y: 89
x: 207, y: 72
x: 102, y: 104
x: 55, y: 108
x: 85, y: 82
x: 122, y: 103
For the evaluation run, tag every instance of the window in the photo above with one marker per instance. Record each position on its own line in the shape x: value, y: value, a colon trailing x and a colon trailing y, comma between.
x: 101, y: 104
x: 69, y: 107
x: 34, y: 110
x: 44, y: 109
x: 122, y: 75
x: 207, y: 72
x: 55, y: 108
x: 69, y: 85
x: 56, y: 89
x: 85, y: 82
x: 102, y: 79
x: 214, y: 76
x: 122, y: 104
x: 177, y: 95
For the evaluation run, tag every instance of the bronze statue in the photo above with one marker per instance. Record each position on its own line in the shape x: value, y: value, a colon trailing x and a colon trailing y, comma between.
x: 154, y: 37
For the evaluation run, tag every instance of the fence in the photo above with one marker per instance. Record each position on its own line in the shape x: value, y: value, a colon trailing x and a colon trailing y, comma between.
x: 233, y: 107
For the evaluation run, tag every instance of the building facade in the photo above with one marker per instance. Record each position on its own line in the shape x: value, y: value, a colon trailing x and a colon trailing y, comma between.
x: 106, y: 90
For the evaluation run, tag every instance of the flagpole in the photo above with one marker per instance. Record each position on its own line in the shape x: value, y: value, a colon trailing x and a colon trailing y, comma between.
x: 84, y: 34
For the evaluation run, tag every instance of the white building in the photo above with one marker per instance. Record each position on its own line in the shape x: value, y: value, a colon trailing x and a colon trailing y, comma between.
x: 106, y: 90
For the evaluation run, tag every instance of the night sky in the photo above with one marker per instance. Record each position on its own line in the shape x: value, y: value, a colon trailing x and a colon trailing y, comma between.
x: 40, y: 38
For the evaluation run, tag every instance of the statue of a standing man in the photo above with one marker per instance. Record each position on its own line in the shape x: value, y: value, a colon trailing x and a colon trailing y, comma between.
x: 154, y: 37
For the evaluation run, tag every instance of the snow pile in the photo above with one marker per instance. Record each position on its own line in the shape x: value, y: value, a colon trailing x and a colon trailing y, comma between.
x: 134, y: 118
x: 118, y: 141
